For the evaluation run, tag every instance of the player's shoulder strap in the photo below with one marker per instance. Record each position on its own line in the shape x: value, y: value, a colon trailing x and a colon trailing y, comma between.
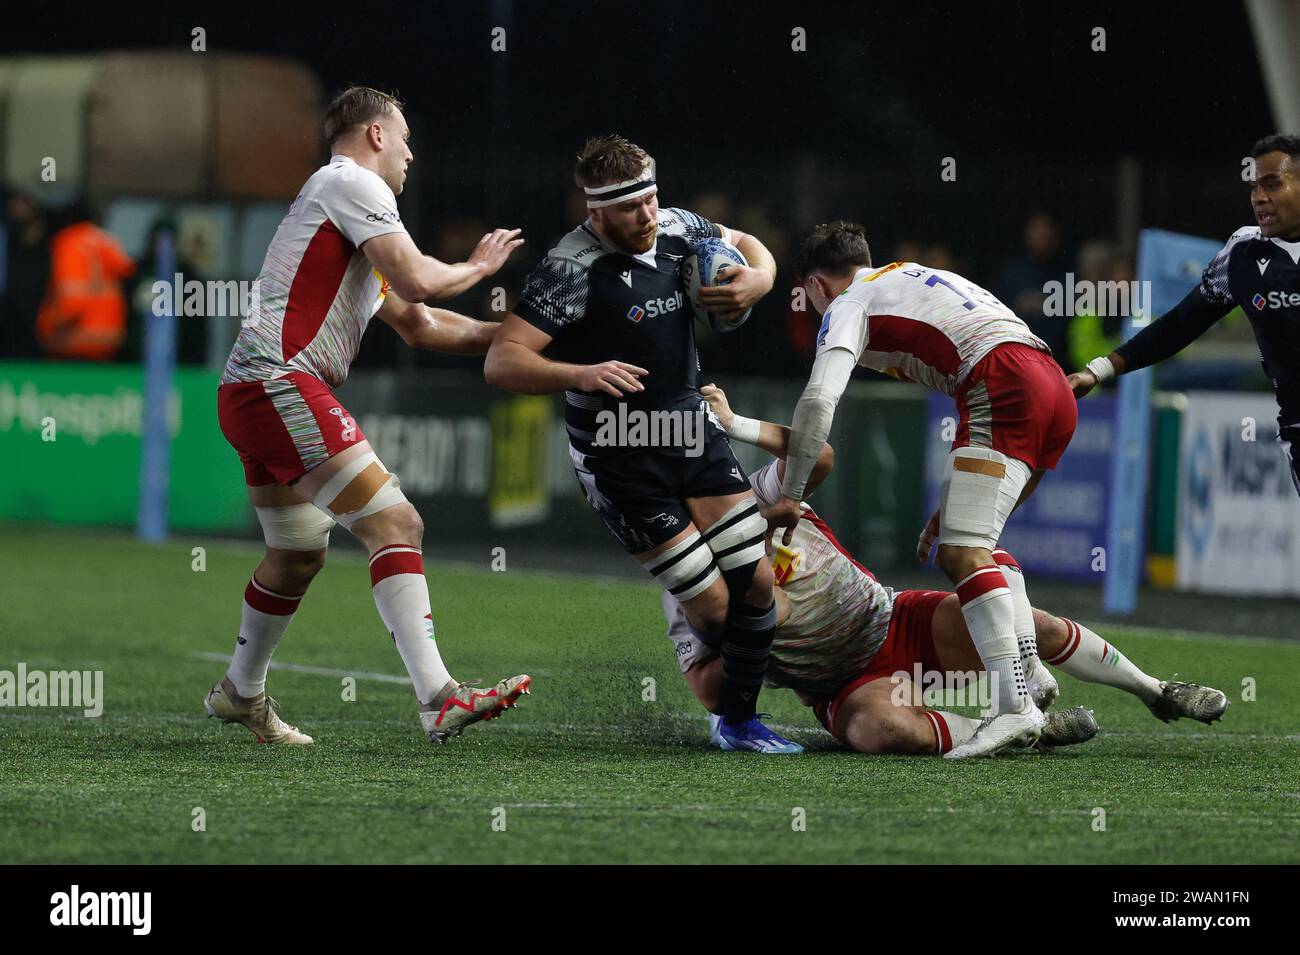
x: 1214, y: 280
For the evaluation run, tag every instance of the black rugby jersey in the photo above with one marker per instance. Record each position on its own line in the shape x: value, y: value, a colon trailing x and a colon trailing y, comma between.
x: 1263, y: 277
x: 601, y: 304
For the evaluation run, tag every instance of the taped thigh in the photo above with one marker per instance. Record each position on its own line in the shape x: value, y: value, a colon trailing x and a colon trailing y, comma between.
x: 360, y: 488
x: 685, y: 569
x: 980, y: 489
x: 737, y: 538
x: 295, y: 527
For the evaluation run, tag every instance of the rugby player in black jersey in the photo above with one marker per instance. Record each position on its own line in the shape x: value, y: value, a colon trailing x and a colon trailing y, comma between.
x: 1259, y: 269
x: 605, y: 319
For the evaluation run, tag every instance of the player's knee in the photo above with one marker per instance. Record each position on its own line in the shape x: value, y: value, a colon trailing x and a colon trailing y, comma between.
x: 403, y: 524
x: 890, y: 731
x: 867, y: 734
x: 958, y: 562
x: 707, y: 611
x: 760, y: 586
x: 298, y: 565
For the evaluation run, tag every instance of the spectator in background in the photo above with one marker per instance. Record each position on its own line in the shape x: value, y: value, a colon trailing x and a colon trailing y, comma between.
x: 83, y: 315
x: 909, y: 250
x: 27, y: 269
x: 1023, y: 279
x: 939, y: 256
x: 191, y: 330
x: 1093, y: 332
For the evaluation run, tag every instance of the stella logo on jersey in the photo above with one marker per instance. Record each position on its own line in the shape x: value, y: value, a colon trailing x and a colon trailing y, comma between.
x: 656, y: 307
x: 1275, y: 299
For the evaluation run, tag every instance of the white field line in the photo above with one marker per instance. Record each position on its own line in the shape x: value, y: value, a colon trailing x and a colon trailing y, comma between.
x: 1200, y: 636
x: 1100, y: 626
x: 314, y: 671
x: 329, y: 671
x: 535, y: 727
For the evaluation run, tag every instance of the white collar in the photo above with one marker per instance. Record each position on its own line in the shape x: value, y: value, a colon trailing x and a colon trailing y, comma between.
x: 1292, y: 248
x: 648, y: 257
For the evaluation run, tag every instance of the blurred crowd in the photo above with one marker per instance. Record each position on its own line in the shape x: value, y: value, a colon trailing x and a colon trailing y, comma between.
x: 68, y: 290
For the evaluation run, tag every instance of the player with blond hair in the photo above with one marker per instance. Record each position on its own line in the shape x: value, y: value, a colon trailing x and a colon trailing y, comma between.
x: 340, y: 257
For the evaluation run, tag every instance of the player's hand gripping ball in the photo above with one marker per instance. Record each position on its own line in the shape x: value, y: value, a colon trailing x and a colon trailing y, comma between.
x: 707, y: 266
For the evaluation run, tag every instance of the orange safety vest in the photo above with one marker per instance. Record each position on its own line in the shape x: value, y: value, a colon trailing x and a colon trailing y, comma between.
x: 84, y: 311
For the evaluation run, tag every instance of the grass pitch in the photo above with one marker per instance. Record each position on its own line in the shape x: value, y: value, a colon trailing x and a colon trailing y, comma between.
x: 586, y: 770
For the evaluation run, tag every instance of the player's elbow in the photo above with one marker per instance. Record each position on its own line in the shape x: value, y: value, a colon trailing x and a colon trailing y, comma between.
x: 410, y: 286
x: 497, y: 367
x: 825, y: 463
x: 817, y: 407
x: 420, y: 279
x: 492, y: 372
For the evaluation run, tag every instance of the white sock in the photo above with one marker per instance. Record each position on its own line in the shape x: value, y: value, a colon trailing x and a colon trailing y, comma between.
x: 402, y: 597
x: 1026, y: 635
x: 950, y: 729
x: 262, y: 623
x: 990, y: 617
x: 1089, y: 657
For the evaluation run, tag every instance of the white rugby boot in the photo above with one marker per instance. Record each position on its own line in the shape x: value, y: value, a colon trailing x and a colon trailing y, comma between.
x: 468, y: 704
x: 257, y: 713
x: 1003, y: 731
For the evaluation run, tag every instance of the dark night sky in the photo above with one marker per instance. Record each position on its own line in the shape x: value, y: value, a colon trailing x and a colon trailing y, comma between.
x: 876, y: 78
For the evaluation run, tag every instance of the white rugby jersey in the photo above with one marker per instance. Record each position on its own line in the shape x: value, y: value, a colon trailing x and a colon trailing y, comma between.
x: 317, y: 291
x: 839, y: 612
x: 920, y: 324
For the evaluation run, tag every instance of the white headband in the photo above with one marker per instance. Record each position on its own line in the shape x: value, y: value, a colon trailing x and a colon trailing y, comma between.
x: 598, y: 196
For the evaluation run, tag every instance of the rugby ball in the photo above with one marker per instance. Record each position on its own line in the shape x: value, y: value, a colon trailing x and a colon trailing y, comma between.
x: 707, y: 266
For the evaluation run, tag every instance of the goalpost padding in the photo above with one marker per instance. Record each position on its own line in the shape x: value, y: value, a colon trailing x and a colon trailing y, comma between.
x: 1171, y: 263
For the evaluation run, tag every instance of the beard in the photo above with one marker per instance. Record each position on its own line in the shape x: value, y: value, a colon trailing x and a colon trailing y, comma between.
x: 635, y: 240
